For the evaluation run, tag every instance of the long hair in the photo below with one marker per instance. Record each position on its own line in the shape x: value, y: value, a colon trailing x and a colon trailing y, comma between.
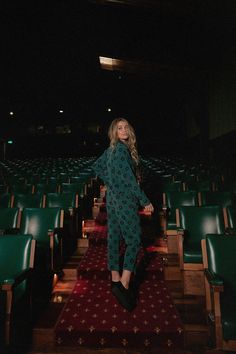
x: 131, y: 142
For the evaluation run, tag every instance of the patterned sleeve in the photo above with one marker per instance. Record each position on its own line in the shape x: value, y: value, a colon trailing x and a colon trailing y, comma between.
x: 128, y: 177
x: 100, y: 167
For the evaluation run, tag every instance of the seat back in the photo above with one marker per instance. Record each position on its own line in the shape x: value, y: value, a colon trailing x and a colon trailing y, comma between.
x: 164, y: 186
x: 221, y: 259
x: 46, y: 188
x: 27, y: 200
x: 72, y: 187
x: 8, y: 218
x: 65, y: 201
x: 203, y: 185
x: 217, y: 198
x: 175, y: 199
x: 15, y: 254
x: 21, y: 188
x: 38, y: 221
x: 199, y: 221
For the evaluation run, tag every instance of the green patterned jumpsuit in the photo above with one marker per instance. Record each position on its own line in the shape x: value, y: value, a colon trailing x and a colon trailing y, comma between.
x: 115, y: 167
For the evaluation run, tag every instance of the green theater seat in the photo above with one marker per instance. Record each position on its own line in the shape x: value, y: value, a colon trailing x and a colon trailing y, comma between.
x: 193, y: 224
x: 69, y: 202
x: 220, y: 275
x: 45, y: 224
x: 171, y: 201
x: 16, y: 264
x: 217, y: 198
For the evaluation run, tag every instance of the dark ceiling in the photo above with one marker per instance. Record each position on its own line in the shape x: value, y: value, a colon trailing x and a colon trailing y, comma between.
x: 50, y: 57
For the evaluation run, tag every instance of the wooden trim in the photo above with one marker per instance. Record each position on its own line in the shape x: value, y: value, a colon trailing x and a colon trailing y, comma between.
x: 32, y: 253
x: 193, y: 266
x: 199, y: 198
x: 229, y: 345
x: 62, y: 218
x: 177, y: 217
x: 44, y: 201
x: 204, y: 254
x: 180, y: 250
x: 164, y: 198
x: 226, y: 221
x: 19, y: 219
x: 207, y: 285
x: 76, y: 200
x: 51, y: 241
x: 171, y: 233
x: 12, y: 200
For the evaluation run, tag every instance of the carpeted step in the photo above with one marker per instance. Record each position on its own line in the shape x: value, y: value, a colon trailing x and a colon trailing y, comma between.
x: 94, y: 264
x: 93, y: 318
x: 98, y: 236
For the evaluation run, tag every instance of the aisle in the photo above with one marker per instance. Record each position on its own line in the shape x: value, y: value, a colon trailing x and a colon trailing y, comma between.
x: 92, y: 317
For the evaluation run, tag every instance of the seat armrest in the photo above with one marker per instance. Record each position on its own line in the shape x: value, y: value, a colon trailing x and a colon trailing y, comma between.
x: 7, y: 283
x: 230, y: 231
x: 214, y: 280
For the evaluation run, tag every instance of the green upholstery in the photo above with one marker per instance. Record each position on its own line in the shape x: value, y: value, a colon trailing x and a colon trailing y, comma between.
x: 41, y: 223
x: 27, y: 200
x: 16, y: 263
x: 8, y: 218
x: 204, y: 185
x: 72, y: 187
x: 175, y: 199
x: 82, y: 178
x: 197, y: 222
x: 231, y: 215
x: 217, y: 198
x: 21, y: 188
x: 46, y: 188
x: 221, y: 253
x: 65, y: 201
x: 5, y: 200
x: 170, y: 186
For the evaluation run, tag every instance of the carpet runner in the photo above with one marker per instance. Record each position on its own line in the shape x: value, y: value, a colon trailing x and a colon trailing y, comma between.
x: 92, y: 317
x: 94, y: 264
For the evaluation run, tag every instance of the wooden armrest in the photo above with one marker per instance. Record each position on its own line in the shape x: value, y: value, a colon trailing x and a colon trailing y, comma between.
x: 9, y: 283
x: 214, y: 280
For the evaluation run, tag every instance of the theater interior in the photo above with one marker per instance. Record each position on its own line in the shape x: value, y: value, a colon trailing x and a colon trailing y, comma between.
x: 68, y: 69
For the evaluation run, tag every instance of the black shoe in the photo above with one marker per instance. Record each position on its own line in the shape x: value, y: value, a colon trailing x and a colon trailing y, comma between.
x: 124, y: 296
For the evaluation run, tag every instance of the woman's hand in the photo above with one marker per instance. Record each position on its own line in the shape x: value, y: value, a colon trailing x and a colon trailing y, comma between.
x: 149, y: 208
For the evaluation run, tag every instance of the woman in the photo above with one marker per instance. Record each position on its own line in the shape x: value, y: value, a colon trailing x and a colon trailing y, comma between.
x: 116, y: 167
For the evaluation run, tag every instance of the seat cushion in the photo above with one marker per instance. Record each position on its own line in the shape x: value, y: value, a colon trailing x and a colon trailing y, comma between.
x: 192, y: 253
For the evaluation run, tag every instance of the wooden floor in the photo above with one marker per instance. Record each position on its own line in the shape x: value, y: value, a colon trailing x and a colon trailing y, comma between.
x: 197, y: 334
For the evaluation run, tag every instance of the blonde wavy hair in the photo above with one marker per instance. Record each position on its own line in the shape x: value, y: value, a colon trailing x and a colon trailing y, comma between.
x: 131, y: 142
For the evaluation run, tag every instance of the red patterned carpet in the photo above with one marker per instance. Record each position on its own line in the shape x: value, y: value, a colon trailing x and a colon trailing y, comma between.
x: 93, y: 318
